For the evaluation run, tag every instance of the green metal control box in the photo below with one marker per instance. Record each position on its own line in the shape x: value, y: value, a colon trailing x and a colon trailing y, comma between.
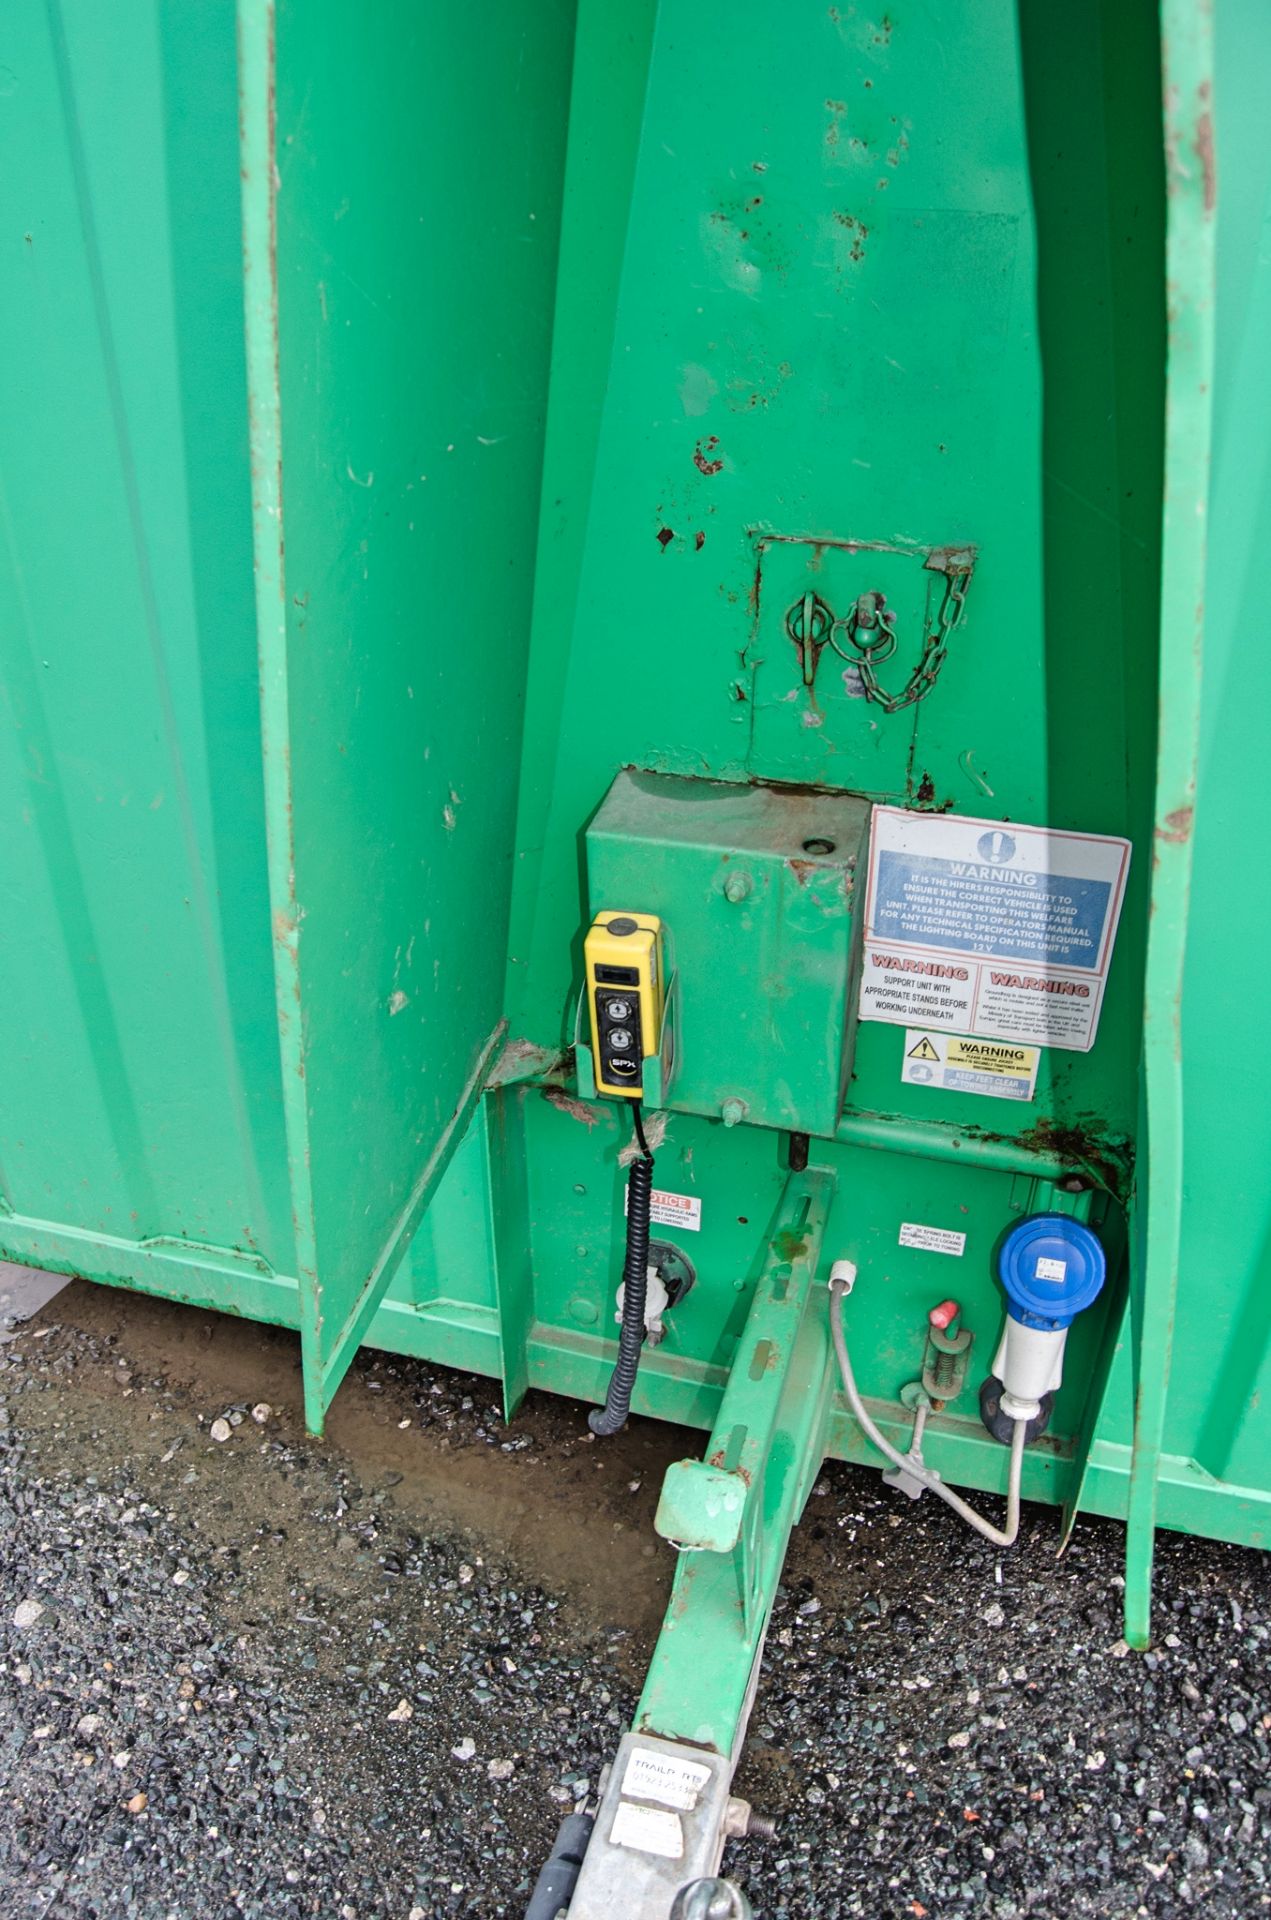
x: 756, y: 886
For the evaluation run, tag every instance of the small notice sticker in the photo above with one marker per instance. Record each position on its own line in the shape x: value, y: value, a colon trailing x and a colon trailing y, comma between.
x: 647, y: 1830
x: 665, y: 1777
x: 931, y: 1239
x: 673, y: 1209
x: 1050, y: 1269
x: 957, y: 1063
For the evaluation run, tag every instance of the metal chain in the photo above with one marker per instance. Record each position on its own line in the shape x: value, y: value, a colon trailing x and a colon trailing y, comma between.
x: 870, y: 629
x: 870, y: 632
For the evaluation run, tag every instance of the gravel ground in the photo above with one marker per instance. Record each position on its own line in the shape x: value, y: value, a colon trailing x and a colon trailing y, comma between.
x: 266, y: 1676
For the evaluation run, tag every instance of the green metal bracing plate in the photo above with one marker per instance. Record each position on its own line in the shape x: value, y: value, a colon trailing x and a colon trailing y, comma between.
x: 389, y: 958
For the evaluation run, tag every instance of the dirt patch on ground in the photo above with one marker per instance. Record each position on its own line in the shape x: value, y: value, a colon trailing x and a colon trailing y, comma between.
x: 574, y: 1515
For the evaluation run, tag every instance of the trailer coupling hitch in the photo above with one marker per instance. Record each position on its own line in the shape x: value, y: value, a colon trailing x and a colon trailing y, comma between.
x: 709, y: 1899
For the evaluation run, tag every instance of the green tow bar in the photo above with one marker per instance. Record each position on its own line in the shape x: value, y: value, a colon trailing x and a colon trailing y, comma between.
x: 732, y: 1512
x: 667, y: 1807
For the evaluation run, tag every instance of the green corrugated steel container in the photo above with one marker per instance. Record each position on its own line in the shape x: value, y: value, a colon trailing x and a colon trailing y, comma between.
x: 577, y: 351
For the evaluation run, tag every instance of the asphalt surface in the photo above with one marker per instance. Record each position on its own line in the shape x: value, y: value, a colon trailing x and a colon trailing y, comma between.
x: 266, y: 1676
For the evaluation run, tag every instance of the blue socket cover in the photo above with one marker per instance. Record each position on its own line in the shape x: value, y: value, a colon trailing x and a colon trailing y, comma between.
x: 1051, y: 1267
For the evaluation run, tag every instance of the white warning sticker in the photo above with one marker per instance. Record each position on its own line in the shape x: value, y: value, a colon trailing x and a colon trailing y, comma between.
x: 668, y: 1209
x: 958, y: 1063
x: 906, y: 987
x: 996, y: 931
x: 665, y: 1777
x: 647, y: 1830
x: 1050, y: 1269
x: 932, y: 1239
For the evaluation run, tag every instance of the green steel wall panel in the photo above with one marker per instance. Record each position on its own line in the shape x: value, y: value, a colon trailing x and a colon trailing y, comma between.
x: 835, y: 324
x: 141, y: 1058
x: 1221, y: 1382
x: 194, y: 1103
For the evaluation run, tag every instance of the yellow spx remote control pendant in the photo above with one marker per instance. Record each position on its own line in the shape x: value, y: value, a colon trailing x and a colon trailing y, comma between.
x: 625, y: 999
x: 625, y: 985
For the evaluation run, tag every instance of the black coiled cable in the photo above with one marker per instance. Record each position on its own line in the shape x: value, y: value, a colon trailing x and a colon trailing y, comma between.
x: 612, y: 1417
